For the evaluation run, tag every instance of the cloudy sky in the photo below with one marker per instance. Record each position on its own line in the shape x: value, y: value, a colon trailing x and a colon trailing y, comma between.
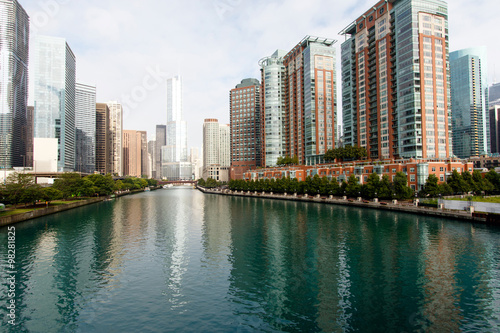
x: 128, y: 48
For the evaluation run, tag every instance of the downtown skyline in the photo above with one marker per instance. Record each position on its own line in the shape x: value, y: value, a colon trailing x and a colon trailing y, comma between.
x: 218, y: 42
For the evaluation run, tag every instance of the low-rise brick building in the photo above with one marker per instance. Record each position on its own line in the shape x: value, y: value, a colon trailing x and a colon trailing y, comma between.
x: 417, y: 170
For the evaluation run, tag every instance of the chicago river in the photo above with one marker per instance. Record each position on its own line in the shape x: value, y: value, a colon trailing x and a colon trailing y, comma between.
x: 181, y: 260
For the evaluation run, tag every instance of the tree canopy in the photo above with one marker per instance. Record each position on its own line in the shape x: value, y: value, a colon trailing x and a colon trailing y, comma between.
x: 287, y: 160
x: 347, y: 153
x: 21, y: 187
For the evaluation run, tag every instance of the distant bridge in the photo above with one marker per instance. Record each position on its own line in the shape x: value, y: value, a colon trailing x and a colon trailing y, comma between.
x: 178, y: 182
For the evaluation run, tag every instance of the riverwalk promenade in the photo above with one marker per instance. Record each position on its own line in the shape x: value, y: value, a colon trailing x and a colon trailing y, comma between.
x: 40, y: 212
x: 403, y: 207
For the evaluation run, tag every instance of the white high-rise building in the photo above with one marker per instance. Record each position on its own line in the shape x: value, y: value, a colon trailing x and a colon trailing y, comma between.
x: 274, y: 74
x: 175, y: 164
x: 196, y: 160
x: 225, y: 145
x: 216, y: 150
x: 14, y: 53
x: 52, y: 76
x: 116, y: 129
x: 85, y: 123
x: 211, y: 145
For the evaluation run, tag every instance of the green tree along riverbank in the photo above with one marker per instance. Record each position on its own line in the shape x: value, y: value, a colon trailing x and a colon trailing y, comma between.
x: 21, y: 188
x: 376, y: 187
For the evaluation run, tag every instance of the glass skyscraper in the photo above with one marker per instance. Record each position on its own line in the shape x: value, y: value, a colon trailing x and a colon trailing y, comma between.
x: 469, y: 102
x: 14, y: 54
x: 395, y: 80
x: 161, y: 141
x: 85, y: 123
x: 274, y: 112
x: 53, y: 76
x: 175, y: 153
x: 176, y: 127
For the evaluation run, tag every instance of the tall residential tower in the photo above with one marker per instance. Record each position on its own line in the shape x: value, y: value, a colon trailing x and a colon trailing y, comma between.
x: 469, y: 101
x: 273, y: 120
x: 299, y: 101
x: 116, y: 133
x: 104, y: 156
x: 395, y: 80
x: 245, y: 114
x: 14, y: 54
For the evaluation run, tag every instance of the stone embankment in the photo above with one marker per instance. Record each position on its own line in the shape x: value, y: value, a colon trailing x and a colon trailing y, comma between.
x: 11, y: 219
x: 403, y: 207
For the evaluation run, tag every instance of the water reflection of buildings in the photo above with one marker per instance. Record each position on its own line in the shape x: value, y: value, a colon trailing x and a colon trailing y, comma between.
x: 216, y: 231
x: 351, y: 268
x: 178, y: 215
x: 70, y: 271
x: 333, y: 266
x: 457, y: 266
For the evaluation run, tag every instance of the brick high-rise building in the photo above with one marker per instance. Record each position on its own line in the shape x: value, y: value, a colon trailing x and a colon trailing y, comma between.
x: 132, y: 153
x: 311, y: 99
x: 395, y: 79
x: 245, y: 114
x: 104, y: 156
x: 299, y: 102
